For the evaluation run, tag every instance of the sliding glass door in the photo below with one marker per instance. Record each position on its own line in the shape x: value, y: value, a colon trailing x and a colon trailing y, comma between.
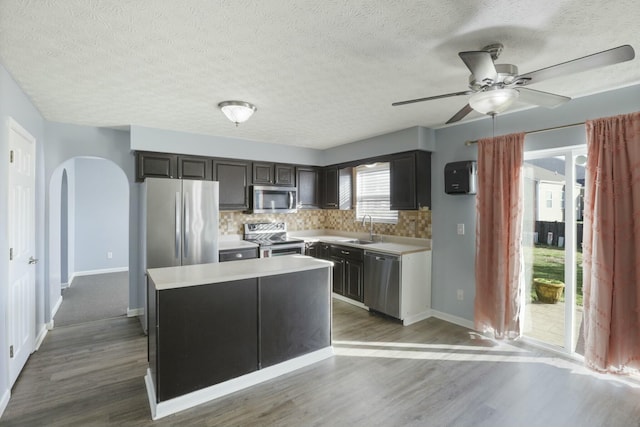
x: 552, y: 240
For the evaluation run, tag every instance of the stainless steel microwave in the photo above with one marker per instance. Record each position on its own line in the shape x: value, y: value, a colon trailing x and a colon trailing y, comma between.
x: 273, y: 199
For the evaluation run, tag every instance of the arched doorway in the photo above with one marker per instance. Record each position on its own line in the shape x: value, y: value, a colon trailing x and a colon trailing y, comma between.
x: 88, y: 227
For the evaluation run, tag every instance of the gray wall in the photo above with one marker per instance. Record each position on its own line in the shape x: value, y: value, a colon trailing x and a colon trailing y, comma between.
x: 147, y: 139
x: 65, y: 142
x: 101, y: 215
x: 454, y: 255
x: 14, y: 103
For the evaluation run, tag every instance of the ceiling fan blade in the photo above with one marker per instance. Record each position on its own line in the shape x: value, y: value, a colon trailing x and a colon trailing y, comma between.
x: 460, y: 114
x: 543, y: 99
x: 429, y: 98
x: 589, y: 62
x: 480, y: 64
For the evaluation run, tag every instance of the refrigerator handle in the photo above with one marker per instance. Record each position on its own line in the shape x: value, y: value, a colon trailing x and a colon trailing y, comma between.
x: 186, y: 225
x: 177, y: 224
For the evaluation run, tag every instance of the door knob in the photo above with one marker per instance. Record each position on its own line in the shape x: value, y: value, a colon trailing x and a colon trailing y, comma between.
x: 33, y: 260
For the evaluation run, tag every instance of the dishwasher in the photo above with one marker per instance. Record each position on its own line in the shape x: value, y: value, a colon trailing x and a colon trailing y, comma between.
x: 382, y: 283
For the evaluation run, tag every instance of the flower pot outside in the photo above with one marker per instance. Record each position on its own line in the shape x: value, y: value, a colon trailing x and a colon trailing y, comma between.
x: 548, y: 291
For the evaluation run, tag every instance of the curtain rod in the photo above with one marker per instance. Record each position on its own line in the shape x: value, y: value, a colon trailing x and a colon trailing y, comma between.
x: 468, y: 143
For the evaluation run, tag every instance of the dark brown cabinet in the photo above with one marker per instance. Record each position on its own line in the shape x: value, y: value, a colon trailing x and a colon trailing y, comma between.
x: 233, y: 178
x: 285, y: 175
x: 194, y: 167
x: 410, y: 180
x: 308, y: 179
x: 273, y: 174
x: 348, y: 272
x: 156, y: 165
x: 336, y: 187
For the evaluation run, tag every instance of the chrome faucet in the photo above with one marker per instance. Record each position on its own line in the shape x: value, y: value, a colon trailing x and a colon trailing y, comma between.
x: 364, y: 221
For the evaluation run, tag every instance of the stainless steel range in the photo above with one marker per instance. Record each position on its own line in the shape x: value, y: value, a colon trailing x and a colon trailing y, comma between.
x: 272, y: 239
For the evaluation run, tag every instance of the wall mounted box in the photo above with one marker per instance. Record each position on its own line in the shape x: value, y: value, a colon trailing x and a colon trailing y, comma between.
x: 460, y: 177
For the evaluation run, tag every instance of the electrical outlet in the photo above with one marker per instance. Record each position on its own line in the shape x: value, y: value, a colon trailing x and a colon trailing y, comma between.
x: 109, y: 255
x: 460, y: 295
x: 460, y: 229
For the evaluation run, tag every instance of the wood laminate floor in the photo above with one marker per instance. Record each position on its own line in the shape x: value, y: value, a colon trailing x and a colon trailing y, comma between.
x: 431, y: 373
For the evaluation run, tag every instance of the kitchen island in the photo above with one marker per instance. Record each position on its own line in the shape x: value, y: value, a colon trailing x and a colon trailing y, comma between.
x: 218, y: 328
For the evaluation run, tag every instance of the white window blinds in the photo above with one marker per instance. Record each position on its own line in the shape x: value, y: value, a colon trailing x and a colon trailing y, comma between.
x: 372, y: 193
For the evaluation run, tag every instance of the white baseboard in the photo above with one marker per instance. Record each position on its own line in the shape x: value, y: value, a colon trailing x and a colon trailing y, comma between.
x: 171, y: 406
x: 40, y: 337
x: 93, y: 272
x: 133, y: 312
x: 65, y: 285
x: 409, y: 320
x: 56, y: 307
x: 460, y: 321
x: 4, y: 401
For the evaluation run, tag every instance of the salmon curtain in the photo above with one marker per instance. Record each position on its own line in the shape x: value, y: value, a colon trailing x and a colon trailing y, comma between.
x: 498, y: 235
x: 611, y: 248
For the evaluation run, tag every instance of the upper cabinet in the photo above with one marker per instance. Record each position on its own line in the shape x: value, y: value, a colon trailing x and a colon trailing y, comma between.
x: 410, y: 180
x: 194, y: 167
x: 273, y: 174
x: 336, y: 187
x: 156, y: 165
x: 233, y: 178
x: 308, y: 179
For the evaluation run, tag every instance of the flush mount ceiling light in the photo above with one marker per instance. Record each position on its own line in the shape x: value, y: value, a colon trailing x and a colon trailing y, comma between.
x: 237, y: 111
x: 493, y: 101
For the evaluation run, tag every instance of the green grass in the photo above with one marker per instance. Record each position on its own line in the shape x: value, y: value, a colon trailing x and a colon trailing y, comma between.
x: 549, y: 264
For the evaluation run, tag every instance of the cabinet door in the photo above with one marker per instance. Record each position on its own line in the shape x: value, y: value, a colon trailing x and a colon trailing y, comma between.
x: 156, y: 165
x: 263, y: 173
x: 308, y: 188
x: 284, y: 175
x: 330, y: 194
x: 233, y: 178
x: 338, y: 275
x: 410, y: 180
x: 193, y: 167
x: 353, y: 280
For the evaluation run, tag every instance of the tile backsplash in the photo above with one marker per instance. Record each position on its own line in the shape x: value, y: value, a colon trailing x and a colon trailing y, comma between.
x: 410, y: 223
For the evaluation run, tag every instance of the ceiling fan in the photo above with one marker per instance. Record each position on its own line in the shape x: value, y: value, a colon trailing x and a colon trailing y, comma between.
x: 494, y: 87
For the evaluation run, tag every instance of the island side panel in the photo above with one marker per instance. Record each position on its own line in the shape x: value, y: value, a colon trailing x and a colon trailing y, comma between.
x: 295, y: 315
x: 152, y: 332
x: 206, y: 335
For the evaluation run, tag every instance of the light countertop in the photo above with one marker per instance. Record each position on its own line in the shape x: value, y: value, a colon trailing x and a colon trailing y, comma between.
x: 202, y: 274
x: 395, y: 248
x: 225, y: 245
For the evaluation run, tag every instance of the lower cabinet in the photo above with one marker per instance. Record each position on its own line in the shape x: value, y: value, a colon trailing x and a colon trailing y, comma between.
x: 348, y: 268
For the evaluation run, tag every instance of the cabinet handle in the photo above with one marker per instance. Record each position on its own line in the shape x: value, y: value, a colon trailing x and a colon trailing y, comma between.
x: 238, y: 255
x: 345, y: 252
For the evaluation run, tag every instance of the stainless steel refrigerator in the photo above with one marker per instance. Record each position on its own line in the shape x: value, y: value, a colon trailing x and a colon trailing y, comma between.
x: 181, y: 222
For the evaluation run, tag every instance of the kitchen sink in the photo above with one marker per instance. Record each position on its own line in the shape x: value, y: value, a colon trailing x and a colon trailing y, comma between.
x: 361, y: 242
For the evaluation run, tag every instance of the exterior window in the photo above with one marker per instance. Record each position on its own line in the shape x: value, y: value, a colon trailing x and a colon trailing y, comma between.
x: 373, y: 193
x: 549, y: 199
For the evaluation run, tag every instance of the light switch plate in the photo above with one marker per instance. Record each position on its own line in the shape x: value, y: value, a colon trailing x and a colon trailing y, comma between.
x: 461, y: 229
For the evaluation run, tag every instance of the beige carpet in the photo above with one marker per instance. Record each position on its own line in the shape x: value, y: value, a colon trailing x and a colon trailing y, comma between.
x: 96, y: 297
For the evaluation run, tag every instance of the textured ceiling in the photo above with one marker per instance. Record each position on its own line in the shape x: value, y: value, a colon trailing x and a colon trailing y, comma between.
x: 322, y: 73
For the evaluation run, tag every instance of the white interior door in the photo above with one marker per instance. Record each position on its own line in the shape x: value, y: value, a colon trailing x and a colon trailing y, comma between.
x: 21, y: 227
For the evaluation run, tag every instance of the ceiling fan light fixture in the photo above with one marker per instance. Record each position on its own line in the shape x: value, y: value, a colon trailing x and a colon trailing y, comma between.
x: 493, y: 101
x: 237, y: 111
